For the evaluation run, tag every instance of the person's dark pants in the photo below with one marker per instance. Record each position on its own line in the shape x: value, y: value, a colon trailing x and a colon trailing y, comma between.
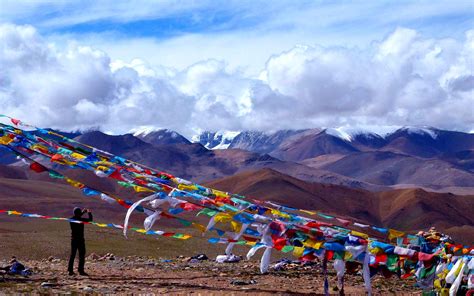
x: 77, y: 245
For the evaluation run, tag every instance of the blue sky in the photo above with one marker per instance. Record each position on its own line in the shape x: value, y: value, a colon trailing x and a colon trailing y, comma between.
x: 233, y: 65
x: 164, y: 19
x: 261, y: 27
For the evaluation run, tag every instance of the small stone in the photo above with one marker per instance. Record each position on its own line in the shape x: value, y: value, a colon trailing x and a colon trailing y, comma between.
x: 242, y: 283
x: 88, y: 289
x: 48, y: 284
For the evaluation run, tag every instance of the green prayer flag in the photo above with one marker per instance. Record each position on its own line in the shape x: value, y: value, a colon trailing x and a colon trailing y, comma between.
x: 207, y: 212
x: 55, y: 175
x: 185, y: 222
x: 125, y: 184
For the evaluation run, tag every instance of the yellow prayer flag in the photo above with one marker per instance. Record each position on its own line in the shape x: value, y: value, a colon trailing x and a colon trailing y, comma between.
x: 317, y: 245
x: 359, y: 234
x: 200, y: 227
x: 105, y: 163
x: 187, y: 187
x: 298, y: 252
x: 235, y: 226
x: 376, y: 251
x: 77, y: 155
x: 222, y: 217
x: 392, y: 233
x: 310, y: 243
x: 74, y: 183
x: 141, y: 189
x: 5, y: 140
x: 38, y: 147
x: 347, y: 256
x: 219, y: 193
x: 280, y: 214
x: 102, y: 168
x: 68, y: 162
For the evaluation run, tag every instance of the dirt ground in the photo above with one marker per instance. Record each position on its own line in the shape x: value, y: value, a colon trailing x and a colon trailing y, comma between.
x: 149, y: 265
x: 147, y: 276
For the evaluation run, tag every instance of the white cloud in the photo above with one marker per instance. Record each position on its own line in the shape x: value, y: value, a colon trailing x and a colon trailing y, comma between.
x: 405, y: 79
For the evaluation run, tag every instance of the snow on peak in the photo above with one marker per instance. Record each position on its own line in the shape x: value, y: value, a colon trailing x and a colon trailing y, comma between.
x: 215, y: 140
x: 145, y: 130
x: 348, y: 133
x: 226, y: 139
x: 422, y: 131
x: 344, y: 133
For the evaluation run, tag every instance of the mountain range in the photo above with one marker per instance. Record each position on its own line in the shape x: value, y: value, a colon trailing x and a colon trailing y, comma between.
x: 429, y: 158
x: 406, y: 156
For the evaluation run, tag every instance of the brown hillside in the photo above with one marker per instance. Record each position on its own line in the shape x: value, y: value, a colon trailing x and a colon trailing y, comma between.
x: 406, y: 209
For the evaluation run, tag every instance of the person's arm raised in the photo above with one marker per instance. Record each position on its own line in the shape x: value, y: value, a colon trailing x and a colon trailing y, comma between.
x: 89, y: 218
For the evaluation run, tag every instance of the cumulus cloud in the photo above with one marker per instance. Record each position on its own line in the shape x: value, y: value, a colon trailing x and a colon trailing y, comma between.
x: 404, y: 79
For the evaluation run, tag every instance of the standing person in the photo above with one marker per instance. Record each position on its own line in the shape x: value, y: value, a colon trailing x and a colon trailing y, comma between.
x: 77, y: 240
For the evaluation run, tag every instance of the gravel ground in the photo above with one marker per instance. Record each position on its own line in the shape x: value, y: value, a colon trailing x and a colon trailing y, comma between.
x: 147, y: 275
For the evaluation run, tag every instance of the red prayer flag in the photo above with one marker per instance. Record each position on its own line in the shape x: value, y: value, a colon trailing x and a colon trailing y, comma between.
x: 36, y: 167
x: 116, y: 175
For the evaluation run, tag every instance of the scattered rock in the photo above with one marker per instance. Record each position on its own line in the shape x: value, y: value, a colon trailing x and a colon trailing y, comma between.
x: 199, y: 257
x: 242, y: 282
x: 53, y: 259
x: 88, y: 289
x: 48, y: 284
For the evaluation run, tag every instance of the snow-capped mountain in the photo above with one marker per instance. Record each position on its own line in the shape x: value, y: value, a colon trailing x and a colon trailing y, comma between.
x: 264, y: 142
x: 348, y: 133
x: 157, y: 136
x: 297, y: 145
x: 215, y: 140
x: 356, y: 157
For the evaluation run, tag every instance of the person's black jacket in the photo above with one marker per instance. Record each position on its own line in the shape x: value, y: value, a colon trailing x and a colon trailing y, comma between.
x: 77, y: 229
